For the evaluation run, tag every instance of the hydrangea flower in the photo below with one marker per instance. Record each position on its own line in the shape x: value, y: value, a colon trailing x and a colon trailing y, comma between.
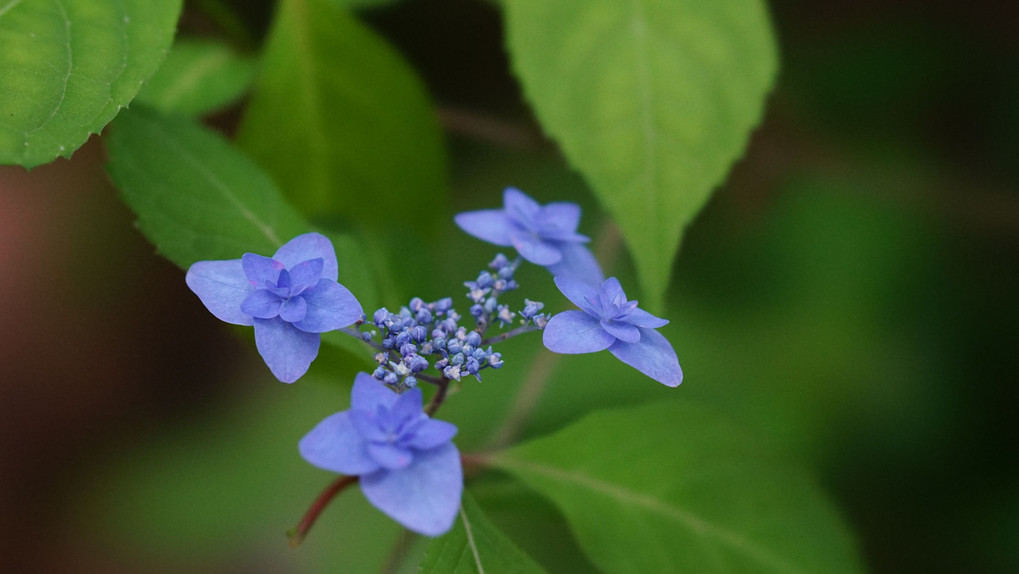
x: 545, y: 235
x: 290, y: 298
x: 408, y: 467
x: 608, y: 321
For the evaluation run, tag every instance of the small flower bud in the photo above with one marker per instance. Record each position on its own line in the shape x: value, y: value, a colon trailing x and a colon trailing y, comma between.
x: 408, y: 349
x: 390, y: 379
x: 410, y: 382
x: 416, y: 304
x: 457, y: 359
x: 417, y: 363
x: 495, y: 360
x: 380, y: 316
x: 454, y: 345
x: 452, y: 372
x: 474, y: 338
x: 380, y: 373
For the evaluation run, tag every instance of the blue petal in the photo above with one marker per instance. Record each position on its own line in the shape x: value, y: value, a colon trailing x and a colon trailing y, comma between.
x: 577, y: 263
x: 652, y: 355
x: 491, y: 225
x: 578, y: 292
x: 367, y: 425
x: 642, y: 318
x: 408, y: 406
x: 560, y: 220
x: 572, y: 332
x: 222, y: 287
x: 521, y: 208
x: 309, y: 246
x: 262, y: 304
x: 335, y: 445
x: 331, y: 306
x: 431, y: 434
x: 625, y: 332
x: 294, y: 309
x: 288, y: 351
x: 369, y: 393
x: 259, y: 269
x: 390, y: 456
x: 306, y: 274
x: 535, y: 250
x: 611, y: 290
x: 425, y: 496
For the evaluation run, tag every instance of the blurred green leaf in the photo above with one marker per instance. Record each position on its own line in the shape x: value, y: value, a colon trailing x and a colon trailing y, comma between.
x: 198, y: 77
x: 341, y: 121
x: 651, y: 100
x: 226, y: 487
x: 673, y: 487
x: 358, y: 4
x: 530, y: 521
x: 67, y: 67
x: 197, y: 198
x: 475, y: 545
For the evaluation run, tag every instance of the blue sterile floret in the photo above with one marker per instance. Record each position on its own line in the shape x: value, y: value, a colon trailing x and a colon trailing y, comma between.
x: 408, y: 466
x: 609, y: 321
x: 290, y: 298
x: 544, y: 235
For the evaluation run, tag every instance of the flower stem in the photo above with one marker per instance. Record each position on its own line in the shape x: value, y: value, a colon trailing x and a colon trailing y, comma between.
x: 510, y: 334
x: 439, y: 397
x: 301, y: 530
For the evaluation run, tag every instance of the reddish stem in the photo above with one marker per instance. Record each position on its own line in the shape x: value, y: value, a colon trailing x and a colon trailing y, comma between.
x: 301, y: 530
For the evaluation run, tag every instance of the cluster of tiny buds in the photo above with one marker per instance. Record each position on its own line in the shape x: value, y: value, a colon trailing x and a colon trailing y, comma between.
x: 422, y: 335
x: 484, y: 293
x: 423, y: 329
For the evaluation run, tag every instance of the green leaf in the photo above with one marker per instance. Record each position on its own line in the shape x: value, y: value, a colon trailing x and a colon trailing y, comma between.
x: 475, y: 546
x: 68, y: 66
x: 673, y: 487
x: 651, y: 100
x: 197, y: 198
x: 198, y: 77
x: 342, y: 122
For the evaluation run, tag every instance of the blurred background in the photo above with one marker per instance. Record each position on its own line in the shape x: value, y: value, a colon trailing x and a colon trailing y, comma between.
x: 849, y: 293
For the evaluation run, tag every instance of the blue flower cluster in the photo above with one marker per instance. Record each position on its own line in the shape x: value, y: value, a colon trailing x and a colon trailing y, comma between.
x: 421, y: 330
x: 406, y: 461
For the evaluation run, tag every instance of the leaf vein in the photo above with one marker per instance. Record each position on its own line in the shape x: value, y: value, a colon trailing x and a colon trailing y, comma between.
x: 674, y: 513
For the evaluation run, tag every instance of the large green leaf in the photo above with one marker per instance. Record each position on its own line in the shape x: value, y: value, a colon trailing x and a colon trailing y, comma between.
x: 68, y: 66
x: 341, y: 121
x: 672, y: 487
x: 198, y: 77
x: 651, y: 100
x: 197, y: 198
x: 474, y: 546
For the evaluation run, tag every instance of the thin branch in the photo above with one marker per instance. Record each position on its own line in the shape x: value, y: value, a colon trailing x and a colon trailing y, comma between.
x: 301, y: 530
x: 439, y: 397
x: 510, y: 334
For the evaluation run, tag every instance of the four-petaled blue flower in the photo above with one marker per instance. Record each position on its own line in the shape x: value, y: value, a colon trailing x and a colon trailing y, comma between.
x: 290, y: 298
x: 545, y: 235
x: 407, y: 465
x: 609, y: 321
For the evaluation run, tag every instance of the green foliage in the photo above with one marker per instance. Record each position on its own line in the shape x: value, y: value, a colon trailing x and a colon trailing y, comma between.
x: 474, y: 546
x: 673, y: 487
x: 198, y: 77
x: 358, y: 135
x: 652, y: 100
x: 67, y: 67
